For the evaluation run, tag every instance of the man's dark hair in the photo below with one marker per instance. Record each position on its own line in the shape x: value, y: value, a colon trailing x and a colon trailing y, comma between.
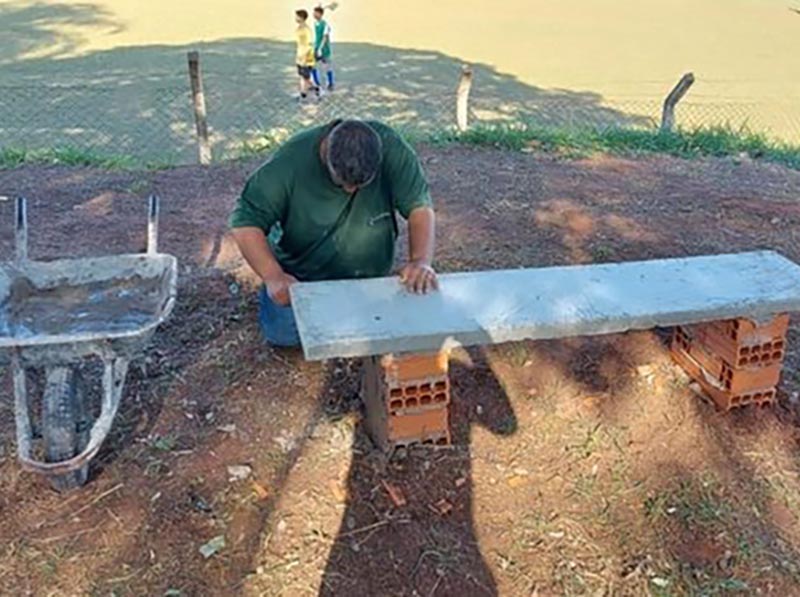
x: 319, y: 10
x: 354, y: 153
x: 303, y: 14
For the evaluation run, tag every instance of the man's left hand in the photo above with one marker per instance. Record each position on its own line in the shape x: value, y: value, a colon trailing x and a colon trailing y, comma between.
x: 419, y: 277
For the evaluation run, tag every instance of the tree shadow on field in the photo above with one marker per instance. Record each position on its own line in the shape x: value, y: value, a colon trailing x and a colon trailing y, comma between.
x: 135, y: 101
x: 49, y: 31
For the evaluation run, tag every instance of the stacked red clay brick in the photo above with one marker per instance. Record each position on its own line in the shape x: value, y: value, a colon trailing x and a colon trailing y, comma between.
x: 407, y: 399
x: 736, y: 362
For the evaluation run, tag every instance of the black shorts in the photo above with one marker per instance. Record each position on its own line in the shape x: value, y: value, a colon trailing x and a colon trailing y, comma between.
x: 304, y: 71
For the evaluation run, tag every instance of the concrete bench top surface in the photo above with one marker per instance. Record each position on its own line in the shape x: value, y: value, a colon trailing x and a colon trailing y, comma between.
x: 358, y: 318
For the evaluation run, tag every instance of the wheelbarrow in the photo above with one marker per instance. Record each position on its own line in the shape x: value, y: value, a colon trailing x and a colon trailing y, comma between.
x: 53, y: 317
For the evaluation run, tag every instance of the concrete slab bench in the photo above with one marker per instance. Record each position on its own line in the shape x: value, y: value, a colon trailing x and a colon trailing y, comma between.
x: 367, y: 318
x: 372, y: 317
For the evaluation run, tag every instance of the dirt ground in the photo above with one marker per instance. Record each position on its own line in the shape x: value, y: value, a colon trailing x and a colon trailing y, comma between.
x: 580, y: 467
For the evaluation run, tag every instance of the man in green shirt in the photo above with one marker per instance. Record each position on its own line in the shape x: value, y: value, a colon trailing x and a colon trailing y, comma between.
x: 324, y: 208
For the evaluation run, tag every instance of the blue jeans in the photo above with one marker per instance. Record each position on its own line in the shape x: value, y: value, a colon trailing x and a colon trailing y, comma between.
x: 277, y: 323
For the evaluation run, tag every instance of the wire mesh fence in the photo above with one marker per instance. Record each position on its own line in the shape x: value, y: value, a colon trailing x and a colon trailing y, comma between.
x: 777, y: 120
x: 137, y: 122
x: 144, y: 122
x: 245, y: 123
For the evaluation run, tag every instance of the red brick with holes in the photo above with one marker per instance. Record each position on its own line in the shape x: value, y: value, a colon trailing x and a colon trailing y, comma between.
x: 741, y: 349
x: 407, y: 399
x: 736, y: 362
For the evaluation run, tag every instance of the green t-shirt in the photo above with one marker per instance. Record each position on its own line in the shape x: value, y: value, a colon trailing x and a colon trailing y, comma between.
x: 322, y: 47
x: 313, y: 232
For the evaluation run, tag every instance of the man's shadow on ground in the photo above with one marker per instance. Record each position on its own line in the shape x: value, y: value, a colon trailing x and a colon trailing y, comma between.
x: 429, y: 544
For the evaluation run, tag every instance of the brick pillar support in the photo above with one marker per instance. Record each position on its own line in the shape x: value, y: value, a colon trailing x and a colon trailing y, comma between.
x: 736, y: 362
x: 407, y: 399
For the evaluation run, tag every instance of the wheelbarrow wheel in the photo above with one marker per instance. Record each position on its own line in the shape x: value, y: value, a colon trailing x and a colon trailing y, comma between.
x: 65, y: 426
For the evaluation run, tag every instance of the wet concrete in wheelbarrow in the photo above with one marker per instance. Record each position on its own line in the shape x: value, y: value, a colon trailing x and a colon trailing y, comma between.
x: 116, y: 305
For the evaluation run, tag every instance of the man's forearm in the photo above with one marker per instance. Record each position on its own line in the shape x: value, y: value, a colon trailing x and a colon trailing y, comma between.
x: 256, y: 252
x: 421, y: 235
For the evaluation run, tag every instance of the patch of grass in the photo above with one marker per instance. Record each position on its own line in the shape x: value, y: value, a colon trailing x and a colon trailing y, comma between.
x: 695, y: 502
x: 589, y: 444
x: 165, y: 443
x: 531, y: 526
x: 745, y: 547
x: 261, y: 143
x: 686, y: 143
x: 620, y: 475
x: 584, y: 485
x: 656, y: 506
x: 517, y: 354
x: 72, y: 156
x: 576, y: 142
x: 727, y: 585
x: 602, y: 253
x: 783, y: 490
x: 690, y: 584
x: 155, y: 468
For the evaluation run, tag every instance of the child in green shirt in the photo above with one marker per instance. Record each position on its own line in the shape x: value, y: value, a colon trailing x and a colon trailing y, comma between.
x: 322, y: 49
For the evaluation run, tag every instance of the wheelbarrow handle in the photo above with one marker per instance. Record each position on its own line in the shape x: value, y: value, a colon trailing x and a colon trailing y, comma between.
x: 21, y: 228
x: 153, y: 209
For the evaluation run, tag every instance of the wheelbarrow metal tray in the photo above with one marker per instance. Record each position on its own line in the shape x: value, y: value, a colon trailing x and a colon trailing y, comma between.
x: 85, y: 300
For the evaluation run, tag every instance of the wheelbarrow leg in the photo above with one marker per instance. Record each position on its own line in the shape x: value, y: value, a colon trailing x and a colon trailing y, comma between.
x: 64, y: 431
x: 21, y: 414
x: 65, y: 427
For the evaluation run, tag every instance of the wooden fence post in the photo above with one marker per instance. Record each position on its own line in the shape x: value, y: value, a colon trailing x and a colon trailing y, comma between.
x: 199, y: 102
x: 677, y: 93
x: 462, y: 98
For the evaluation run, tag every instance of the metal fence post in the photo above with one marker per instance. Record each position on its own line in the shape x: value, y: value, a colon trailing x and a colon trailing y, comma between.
x: 462, y: 98
x: 153, y: 209
x: 21, y: 229
x: 199, y: 102
x: 677, y: 93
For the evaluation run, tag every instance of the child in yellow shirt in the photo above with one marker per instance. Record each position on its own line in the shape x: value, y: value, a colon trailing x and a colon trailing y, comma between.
x: 305, y: 54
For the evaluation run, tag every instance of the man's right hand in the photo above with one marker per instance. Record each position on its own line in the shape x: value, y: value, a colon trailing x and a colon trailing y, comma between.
x: 278, y: 288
